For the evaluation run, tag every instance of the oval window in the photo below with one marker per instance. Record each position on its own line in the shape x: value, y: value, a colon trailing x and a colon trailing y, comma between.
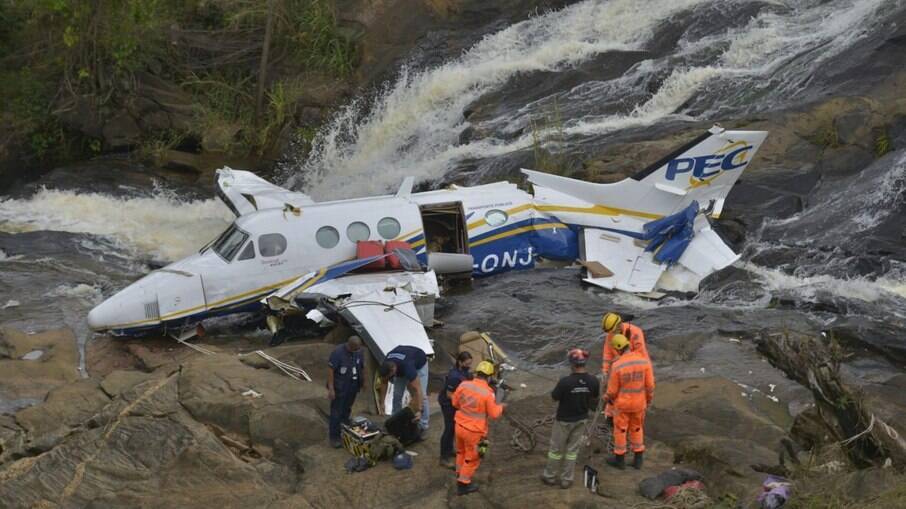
x: 327, y: 237
x: 389, y: 228
x: 358, y: 231
x: 495, y: 217
x: 271, y: 244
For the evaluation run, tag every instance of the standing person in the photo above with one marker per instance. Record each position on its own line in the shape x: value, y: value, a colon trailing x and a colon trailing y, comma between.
x: 630, y: 390
x: 613, y: 324
x: 576, y: 395
x: 475, y: 403
x: 458, y: 373
x: 408, y: 367
x: 344, y: 381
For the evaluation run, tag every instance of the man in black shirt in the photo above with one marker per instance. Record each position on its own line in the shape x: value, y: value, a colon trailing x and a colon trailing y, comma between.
x: 576, y: 394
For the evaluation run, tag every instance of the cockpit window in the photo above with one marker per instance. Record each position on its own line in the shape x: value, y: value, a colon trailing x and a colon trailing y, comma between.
x: 271, y: 244
x: 229, y: 242
x: 249, y: 252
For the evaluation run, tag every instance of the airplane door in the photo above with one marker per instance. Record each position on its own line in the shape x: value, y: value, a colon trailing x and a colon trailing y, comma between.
x: 181, y: 297
x: 447, y: 239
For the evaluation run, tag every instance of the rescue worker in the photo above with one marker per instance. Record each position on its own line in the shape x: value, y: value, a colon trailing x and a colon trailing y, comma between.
x: 630, y: 390
x: 344, y: 381
x: 576, y: 395
x: 408, y: 367
x: 457, y: 374
x: 474, y: 403
x: 613, y: 324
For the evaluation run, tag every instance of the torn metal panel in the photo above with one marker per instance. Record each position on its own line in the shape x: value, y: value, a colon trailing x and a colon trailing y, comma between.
x: 385, y: 320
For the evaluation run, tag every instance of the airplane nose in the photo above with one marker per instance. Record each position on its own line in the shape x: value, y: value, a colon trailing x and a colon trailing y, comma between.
x: 101, y: 317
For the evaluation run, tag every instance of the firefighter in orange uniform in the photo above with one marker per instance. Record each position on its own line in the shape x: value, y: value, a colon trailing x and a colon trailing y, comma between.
x: 613, y: 324
x: 630, y: 391
x: 475, y: 403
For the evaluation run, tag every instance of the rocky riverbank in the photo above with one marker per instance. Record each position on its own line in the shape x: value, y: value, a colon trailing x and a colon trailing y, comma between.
x: 157, y: 424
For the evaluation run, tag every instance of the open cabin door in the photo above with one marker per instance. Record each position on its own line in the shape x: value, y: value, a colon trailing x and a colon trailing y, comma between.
x: 447, y: 238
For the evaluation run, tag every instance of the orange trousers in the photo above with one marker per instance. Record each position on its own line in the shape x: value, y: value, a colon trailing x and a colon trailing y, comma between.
x: 467, y: 459
x: 633, y: 424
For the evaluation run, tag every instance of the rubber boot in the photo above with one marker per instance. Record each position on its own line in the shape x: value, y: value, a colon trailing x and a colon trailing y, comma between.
x: 465, y: 489
x: 617, y: 461
x: 637, y: 460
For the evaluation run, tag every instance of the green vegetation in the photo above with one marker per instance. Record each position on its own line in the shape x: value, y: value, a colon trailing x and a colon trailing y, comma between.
x: 238, y: 59
x: 882, y: 142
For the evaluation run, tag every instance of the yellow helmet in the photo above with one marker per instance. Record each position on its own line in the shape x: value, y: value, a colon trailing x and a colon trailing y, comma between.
x: 485, y: 368
x: 610, y: 322
x: 619, y: 342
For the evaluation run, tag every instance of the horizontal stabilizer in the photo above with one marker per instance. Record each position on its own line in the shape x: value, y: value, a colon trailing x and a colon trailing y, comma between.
x: 632, y: 269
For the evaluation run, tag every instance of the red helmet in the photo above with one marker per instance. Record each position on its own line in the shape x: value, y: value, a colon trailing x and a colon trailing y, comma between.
x: 577, y: 357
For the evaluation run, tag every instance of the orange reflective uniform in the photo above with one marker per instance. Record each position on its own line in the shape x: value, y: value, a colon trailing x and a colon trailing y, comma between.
x: 630, y: 388
x: 636, y: 338
x: 474, y: 402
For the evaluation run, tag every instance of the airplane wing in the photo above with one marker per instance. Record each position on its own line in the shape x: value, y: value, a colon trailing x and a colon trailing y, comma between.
x: 244, y: 192
x: 384, y: 308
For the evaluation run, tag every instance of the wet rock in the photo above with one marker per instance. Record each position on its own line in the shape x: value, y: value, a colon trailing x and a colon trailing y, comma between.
x: 121, y: 131
x: 854, y: 128
x: 65, y: 407
x: 846, y: 160
x: 117, y: 382
x: 21, y: 378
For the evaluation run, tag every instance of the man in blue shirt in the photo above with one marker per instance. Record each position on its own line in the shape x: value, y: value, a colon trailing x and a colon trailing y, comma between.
x: 344, y: 380
x: 408, y: 367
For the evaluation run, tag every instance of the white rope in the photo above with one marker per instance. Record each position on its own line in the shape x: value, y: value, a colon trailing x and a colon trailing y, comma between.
x: 195, y: 347
x: 857, y: 435
x: 290, y: 370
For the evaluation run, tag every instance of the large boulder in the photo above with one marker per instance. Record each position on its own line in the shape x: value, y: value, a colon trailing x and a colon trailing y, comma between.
x: 261, y: 404
x: 142, y: 450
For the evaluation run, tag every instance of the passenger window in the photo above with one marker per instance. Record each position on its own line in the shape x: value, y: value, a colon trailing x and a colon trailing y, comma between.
x: 495, y: 217
x: 389, y: 228
x: 327, y: 237
x: 271, y: 244
x: 358, y: 231
x: 249, y: 252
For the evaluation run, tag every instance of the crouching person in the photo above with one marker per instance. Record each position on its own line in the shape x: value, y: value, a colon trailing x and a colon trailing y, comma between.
x: 474, y: 403
x: 576, y: 395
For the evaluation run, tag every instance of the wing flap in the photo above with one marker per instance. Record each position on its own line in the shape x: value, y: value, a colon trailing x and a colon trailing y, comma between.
x: 244, y: 192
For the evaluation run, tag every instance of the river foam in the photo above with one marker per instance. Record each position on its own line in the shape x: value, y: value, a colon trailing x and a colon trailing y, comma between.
x: 159, y: 226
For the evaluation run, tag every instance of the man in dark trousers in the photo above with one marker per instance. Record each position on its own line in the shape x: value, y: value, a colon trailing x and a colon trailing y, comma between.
x: 408, y: 367
x: 344, y: 380
x: 457, y: 374
x: 576, y: 395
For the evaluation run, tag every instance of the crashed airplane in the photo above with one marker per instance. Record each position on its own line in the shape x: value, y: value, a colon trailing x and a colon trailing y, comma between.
x: 373, y: 263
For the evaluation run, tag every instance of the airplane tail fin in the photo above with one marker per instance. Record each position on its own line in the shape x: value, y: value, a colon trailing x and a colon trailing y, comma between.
x: 706, y: 168
x: 703, y: 170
